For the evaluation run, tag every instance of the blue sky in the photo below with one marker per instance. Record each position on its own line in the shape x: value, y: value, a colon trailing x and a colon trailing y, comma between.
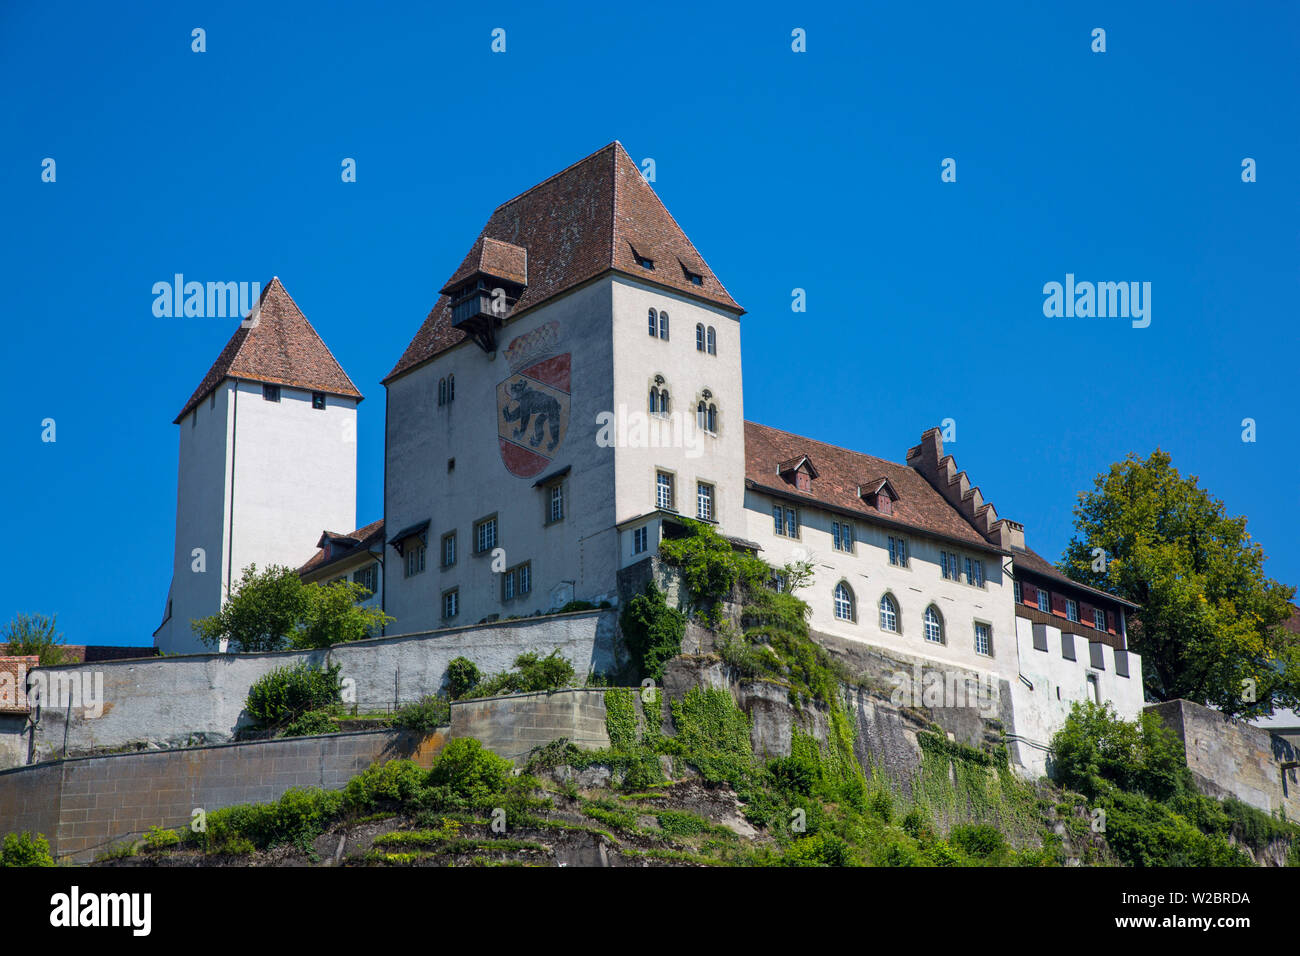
x: 818, y: 170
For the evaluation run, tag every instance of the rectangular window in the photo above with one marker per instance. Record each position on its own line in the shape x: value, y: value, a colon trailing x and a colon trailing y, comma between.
x: 983, y: 640
x: 271, y: 393
x: 508, y: 585
x: 704, y: 501
x: 778, y: 519
x: 317, y: 400
x: 969, y: 578
x: 525, y: 577
x: 451, y: 603
x: 1072, y: 609
x: 1045, y: 600
x: 664, y: 491
x: 978, y: 568
x: 367, y: 577
x: 414, y: 558
x: 639, y: 542
x: 1015, y: 587
x: 555, y: 509
x: 898, y: 551
x: 792, y: 522
x: 1099, y: 619
x: 485, y: 535
x: 449, y: 549
x: 842, y: 535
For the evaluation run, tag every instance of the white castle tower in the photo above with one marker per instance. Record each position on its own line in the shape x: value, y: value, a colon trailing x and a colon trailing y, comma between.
x: 268, y: 457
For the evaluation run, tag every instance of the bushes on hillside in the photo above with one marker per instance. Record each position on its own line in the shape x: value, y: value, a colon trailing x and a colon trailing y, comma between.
x: 283, y: 698
x: 23, y: 849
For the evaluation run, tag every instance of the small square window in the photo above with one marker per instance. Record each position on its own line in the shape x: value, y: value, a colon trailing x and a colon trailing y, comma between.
x: 414, y: 558
x: 317, y: 400
x: 983, y: 640
x: 1099, y: 619
x: 1044, y: 601
x: 451, y: 464
x: 271, y: 393
x: 1072, y: 609
x: 449, y: 549
x: 451, y: 603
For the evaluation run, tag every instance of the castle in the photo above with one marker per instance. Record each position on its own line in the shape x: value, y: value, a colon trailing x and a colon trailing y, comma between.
x: 576, y: 390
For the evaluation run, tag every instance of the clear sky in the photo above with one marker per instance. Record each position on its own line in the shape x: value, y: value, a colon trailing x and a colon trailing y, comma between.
x: 817, y: 170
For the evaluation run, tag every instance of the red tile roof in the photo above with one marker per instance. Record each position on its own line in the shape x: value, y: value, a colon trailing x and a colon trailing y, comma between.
x: 1034, y: 563
x: 589, y: 219
x: 282, y: 348
x: 841, y: 473
x: 366, y: 538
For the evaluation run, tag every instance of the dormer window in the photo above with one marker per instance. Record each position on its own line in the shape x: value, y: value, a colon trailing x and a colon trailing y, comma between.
x: 879, y: 493
x: 695, y: 278
x: 645, y: 263
x: 799, y: 472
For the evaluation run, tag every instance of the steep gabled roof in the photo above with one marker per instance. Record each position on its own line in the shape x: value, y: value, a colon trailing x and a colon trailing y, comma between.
x: 594, y: 217
x: 282, y: 348
x: 840, y: 474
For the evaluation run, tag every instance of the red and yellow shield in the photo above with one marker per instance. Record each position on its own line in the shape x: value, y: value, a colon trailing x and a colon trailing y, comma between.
x: 533, y: 415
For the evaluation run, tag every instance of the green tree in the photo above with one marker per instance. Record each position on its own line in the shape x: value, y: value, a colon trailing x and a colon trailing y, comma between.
x: 273, y: 610
x: 1210, y: 628
x: 29, y: 634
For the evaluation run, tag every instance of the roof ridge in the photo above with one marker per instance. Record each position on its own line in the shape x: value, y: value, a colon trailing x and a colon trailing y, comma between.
x: 533, y: 189
x: 827, y: 444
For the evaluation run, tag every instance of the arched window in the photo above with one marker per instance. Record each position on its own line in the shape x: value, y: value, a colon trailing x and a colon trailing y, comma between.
x: 654, y: 323
x: 888, y: 614
x: 654, y: 400
x: 701, y: 416
x: 712, y: 420
x: 699, y: 336
x: 451, y: 388
x: 663, y: 325
x: 933, y: 625
x: 663, y: 401
x: 442, y: 391
x: 713, y: 341
x: 844, y: 602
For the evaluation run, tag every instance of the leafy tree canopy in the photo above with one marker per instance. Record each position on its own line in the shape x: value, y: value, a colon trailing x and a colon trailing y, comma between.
x: 273, y: 610
x: 29, y: 634
x: 1210, y: 628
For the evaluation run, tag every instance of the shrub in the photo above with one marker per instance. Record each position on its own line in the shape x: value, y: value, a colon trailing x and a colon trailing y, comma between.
x: 311, y: 724
x: 158, y: 839
x: 424, y: 716
x: 653, y: 631
x: 287, y: 693
x: 978, y: 839
x: 392, y: 784
x: 820, y: 849
x: 462, y: 675
x: 22, y: 849
x: 532, y: 673
x: 466, y: 769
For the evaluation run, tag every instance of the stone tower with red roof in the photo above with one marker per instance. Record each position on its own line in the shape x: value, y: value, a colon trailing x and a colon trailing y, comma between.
x: 267, y: 459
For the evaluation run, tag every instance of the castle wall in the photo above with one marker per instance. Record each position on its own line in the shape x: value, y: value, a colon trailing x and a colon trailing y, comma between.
x: 1232, y: 758
x: 182, y: 701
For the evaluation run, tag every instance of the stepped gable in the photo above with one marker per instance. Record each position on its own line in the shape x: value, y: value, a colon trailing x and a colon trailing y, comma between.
x: 596, y: 216
x: 279, y: 348
x: 843, y: 476
x: 941, y: 472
